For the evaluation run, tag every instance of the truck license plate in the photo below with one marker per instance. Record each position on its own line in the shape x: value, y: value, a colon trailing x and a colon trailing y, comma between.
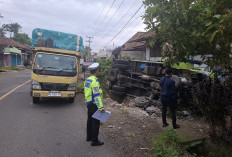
x: 54, y: 93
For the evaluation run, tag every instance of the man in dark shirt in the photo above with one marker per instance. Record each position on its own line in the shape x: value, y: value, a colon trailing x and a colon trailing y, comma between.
x: 169, y: 98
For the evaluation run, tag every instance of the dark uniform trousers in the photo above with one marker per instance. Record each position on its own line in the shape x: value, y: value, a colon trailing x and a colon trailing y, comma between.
x: 171, y: 103
x: 92, y: 123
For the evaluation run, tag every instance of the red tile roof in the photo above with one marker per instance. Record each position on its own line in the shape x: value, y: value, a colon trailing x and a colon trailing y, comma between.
x: 5, y: 42
x: 138, y: 41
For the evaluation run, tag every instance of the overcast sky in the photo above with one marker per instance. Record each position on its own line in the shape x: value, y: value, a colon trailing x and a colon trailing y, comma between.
x: 102, y: 19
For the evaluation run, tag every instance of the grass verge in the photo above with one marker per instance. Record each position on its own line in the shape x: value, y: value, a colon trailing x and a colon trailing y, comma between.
x: 9, y: 68
x: 169, y: 144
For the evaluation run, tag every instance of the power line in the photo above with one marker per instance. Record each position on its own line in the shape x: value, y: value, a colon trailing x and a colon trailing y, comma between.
x: 139, y: 19
x: 99, y: 17
x: 118, y: 22
x: 124, y: 25
x: 114, y: 14
x: 121, y: 19
x: 107, y: 13
x: 114, y: 28
x: 110, y: 8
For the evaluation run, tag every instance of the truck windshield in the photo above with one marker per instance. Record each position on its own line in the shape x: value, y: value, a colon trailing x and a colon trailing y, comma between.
x: 57, y: 65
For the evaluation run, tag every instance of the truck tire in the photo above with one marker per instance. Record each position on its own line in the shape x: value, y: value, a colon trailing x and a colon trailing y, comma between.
x: 141, y: 102
x: 121, y: 61
x: 118, y: 93
x: 121, y: 66
x: 71, y: 100
x: 35, y: 100
x: 118, y: 88
x: 113, y: 75
x: 123, y: 78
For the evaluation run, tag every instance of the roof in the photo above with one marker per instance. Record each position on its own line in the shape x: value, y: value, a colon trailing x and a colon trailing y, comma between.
x: 6, y: 42
x: 138, y: 41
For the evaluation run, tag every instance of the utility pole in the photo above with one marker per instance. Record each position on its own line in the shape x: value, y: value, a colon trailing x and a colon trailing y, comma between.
x: 89, y: 41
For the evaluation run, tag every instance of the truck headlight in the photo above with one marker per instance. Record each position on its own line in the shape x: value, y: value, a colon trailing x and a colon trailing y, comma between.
x: 35, y: 85
x: 72, y: 86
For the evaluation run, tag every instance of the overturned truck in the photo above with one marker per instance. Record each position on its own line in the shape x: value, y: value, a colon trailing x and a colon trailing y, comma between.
x: 141, y: 79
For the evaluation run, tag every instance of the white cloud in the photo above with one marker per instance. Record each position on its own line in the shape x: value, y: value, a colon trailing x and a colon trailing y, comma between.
x: 76, y: 17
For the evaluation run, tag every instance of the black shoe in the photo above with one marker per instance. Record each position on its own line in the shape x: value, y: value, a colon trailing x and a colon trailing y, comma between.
x: 98, y: 143
x: 176, y: 126
x: 165, y: 124
x: 88, y: 139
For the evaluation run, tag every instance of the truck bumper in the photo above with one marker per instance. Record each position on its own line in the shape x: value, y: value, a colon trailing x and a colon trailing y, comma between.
x: 45, y: 94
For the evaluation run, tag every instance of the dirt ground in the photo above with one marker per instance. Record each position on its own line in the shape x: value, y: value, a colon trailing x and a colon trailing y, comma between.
x: 131, y: 129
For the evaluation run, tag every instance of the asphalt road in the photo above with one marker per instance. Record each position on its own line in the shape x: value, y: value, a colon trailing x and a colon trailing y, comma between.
x: 49, y: 129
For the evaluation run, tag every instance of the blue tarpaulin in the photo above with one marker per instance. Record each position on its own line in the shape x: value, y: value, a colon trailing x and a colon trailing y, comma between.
x: 60, y: 40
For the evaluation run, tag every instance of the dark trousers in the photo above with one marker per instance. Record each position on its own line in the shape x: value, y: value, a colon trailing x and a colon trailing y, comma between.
x: 171, y: 104
x: 92, y: 123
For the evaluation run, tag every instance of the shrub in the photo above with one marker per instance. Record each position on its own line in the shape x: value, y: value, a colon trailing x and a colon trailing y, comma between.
x: 168, y: 145
x: 214, y: 100
x: 80, y: 87
x: 104, y: 66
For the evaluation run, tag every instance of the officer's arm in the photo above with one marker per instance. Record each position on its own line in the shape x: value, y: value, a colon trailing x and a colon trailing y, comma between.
x: 97, y: 97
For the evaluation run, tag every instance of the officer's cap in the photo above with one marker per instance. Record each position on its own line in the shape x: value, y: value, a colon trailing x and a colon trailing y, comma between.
x: 93, y: 66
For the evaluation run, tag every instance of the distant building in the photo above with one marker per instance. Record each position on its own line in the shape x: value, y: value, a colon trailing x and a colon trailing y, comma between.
x: 104, y: 53
x: 13, y: 53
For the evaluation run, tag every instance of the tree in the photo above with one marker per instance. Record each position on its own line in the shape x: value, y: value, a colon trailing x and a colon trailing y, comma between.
x: 192, y: 27
x: 198, y: 27
x: 2, y: 33
x: 22, y: 38
x: 14, y: 28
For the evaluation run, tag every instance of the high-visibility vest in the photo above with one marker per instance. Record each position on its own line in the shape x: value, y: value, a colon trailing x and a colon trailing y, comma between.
x: 93, y: 92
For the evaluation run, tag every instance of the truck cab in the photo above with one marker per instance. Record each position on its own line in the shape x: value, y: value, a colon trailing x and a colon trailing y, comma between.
x: 54, y: 73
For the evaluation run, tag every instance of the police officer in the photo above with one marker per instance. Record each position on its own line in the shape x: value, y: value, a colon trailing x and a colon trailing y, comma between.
x: 93, y: 100
x: 169, y: 98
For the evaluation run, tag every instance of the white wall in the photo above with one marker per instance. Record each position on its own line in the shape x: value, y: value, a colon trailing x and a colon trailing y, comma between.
x: 139, y: 55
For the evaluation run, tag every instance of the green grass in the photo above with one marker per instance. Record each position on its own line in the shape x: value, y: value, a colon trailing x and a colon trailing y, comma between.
x: 124, y: 111
x: 168, y: 144
x: 9, y: 68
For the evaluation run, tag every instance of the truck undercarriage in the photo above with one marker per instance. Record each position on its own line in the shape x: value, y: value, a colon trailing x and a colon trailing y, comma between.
x: 138, y: 78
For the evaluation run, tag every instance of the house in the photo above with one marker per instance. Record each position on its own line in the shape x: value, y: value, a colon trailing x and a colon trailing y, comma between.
x: 104, y: 53
x: 137, y: 47
x: 13, y: 53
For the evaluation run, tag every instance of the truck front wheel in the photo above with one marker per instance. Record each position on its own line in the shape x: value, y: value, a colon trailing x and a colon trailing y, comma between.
x: 35, y: 100
x: 70, y: 100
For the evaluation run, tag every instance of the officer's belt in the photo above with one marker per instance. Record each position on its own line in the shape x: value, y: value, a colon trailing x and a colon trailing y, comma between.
x: 90, y: 102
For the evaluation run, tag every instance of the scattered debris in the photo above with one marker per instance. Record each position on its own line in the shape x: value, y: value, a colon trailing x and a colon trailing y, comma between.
x: 130, y: 134
x: 141, y: 102
x: 151, y: 109
x: 110, y: 126
x: 183, y: 113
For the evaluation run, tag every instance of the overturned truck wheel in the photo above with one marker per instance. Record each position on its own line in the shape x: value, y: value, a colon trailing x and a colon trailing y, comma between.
x: 113, y: 75
x: 118, y: 88
x: 121, y: 61
x: 118, y: 93
x: 121, y: 66
x: 141, y: 102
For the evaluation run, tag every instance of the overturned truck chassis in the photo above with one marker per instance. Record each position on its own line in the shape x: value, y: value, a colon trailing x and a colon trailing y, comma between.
x: 137, y: 78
